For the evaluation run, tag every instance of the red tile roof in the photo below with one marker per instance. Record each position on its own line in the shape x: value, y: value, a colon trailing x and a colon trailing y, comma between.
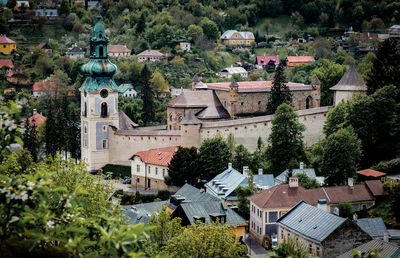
x: 263, y: 60
x: 371, y: 172
x: 118, y: 49
x: 6, y: 62
x: 300, y: 59
x: 376, y: 188
x: 44, y: 86
x: 160, y: 157
x: 36, y: 119
x: 5, y: 40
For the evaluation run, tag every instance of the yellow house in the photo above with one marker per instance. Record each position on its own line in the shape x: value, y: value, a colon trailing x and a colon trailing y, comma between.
x: 237, y: 38
x: 7, y: 45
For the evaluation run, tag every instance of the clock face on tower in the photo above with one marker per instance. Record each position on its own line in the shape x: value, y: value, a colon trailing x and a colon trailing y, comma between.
x: 104, y: 93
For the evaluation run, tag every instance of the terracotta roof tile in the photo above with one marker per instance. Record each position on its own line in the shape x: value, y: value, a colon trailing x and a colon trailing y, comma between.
x: 44, y: 86
x: 264, y: 60
x: 36, y: 119
x: 160, y: 157
x: 371, y: 172
x: 5, y: 40
x: 6, y: 62
x: 118, y: 49
x: 300, y: 59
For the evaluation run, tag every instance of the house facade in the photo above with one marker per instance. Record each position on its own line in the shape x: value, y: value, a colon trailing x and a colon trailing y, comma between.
x: 237, y: 38
x: 292, y: 61
x: 7, y: 46
x: 49, y: 14
x: 75, y: 52
x: 267, y: 62
x: 150, y: 56
x: 185, y: 46
x: 323, y: 234
x: 149, y: 168
x: 394, y: 32
x: 118, y: 50
x: 127, y: 90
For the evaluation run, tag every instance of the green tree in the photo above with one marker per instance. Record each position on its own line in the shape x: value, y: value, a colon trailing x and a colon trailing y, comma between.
x: 386, y: 67
x: 230, y: 141
x: 9, y: 131
x: 307, y: 182
x: 51, y: 136
x: 197, y: 239
x: 158, y: 83
x: 163, y: 228
x: 242, y: 194
x: 194, y: 32
x: 148, y: 111
x: 141, y: 25
x: 285, y: 141
x: 341, y: 152
x: 214, y: 155
x: 366, y: 64
x: 210, y: 29
x: 345, y: 210
x: 279, y: 92
x: 241, y: 157
x: 258, y: 156
x: 64, y: 8
x: 336, y: 118
x: 184, y: 167
x: 30, y: 139
x: 329, y: 74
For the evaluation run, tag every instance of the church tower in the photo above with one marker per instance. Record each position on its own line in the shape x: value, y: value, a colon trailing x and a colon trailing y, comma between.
x: 99, y: 101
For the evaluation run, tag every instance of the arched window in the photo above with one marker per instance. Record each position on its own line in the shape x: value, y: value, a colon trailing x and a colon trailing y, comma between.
x: 104, y: 109
x: 309, y: 102
x: 101, y: 51
x: 85, y: 110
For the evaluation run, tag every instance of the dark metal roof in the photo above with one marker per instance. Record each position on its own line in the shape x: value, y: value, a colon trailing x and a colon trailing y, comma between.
x: 385, y: 249
x: 310, y: 222
x: 141, y: 213
x: 193, y: 194
x: 373, y: 226
x: 190, y: 119
x: 351, y: 81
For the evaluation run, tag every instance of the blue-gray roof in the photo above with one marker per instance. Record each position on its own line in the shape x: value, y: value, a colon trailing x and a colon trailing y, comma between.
x: 192, y: 194
x: 385, y: 249
x: 310, y: 222
x: 373, y: 226
x: 141, y: 213
x: 207, y: 208
x: 281, y: 179
x: 226, y: 182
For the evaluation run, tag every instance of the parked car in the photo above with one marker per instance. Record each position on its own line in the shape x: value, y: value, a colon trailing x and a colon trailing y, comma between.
x: 274, y: 241
x: 109, y: 176
x: 127, y: 180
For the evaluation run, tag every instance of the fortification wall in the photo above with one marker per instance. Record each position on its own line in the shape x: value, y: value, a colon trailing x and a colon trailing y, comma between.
x: 123, y: 144
x: 247, y: 130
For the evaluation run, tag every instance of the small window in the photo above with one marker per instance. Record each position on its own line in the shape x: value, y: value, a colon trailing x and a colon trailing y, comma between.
x: 138, y: 168
x: 310, y: 248
x: 85, y: 129
x: 149, y: 170
x: 104, y: 144
x: 163, y: 172
x: 156, y: 171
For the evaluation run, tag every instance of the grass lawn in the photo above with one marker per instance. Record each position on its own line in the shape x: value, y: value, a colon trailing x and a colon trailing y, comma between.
x: 280, y: 25
x: 33, y: 35
x: 281, y: 52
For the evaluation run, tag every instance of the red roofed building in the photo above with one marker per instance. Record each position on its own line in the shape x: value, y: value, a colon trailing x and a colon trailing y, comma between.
x: 149, y: 168
x: 269, y: 205
x: 8, y: 63
x: 118, y: 50
x: 7, y: 46
x: 371, y: 173
x: 40, y: 88
x: 36, y: 119
x: 264, y: 62
x: 292, y: 61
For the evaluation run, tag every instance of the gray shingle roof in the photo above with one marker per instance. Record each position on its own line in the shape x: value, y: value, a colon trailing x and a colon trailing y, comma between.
x: 190, y: 119
x: 310, y: 172
x: 225, y: 183
x: 310, y: 222
x: 141, y: 213
x: 373, y: 226
x: 385, y: 249
x: 351, y: 81
x: 207, y: 208
x: 125, y: 123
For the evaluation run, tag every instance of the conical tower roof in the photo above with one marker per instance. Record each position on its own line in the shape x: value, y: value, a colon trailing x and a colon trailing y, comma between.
x: 195, y: 78
x: 234, y: 83
x: 351, y: 81
x: 316, y: 81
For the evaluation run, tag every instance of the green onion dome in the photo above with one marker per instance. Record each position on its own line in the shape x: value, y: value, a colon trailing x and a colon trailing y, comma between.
x: 99, y: 67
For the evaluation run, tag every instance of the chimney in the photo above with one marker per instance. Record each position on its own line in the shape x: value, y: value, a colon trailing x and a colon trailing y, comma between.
x: 322, y: 204
x: 229, y: 165
x: 245, y: 171
x: 260, y: 171
x: 350, y: 182
x: 355, y: 217
x: 301, y: 165
x: 293, y: 182
x: 34, y: 111
x: 386, y: 237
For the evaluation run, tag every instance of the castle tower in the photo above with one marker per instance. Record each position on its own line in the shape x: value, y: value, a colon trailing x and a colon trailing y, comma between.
x: 350, y: 84
x: 99, y: 101
x: 190, y: 131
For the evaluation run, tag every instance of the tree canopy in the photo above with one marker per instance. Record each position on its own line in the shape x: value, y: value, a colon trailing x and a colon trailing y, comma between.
x: 184, y: 167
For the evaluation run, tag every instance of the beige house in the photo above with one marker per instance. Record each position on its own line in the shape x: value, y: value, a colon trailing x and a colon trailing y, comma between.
x: 118, y: 50
x: 149, y: 168
x: 268, y: 206
x: 150, y: 56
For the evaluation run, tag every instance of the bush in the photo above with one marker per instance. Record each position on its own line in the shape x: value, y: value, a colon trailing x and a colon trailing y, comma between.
x: 163, y: 194
x: 119, y: 170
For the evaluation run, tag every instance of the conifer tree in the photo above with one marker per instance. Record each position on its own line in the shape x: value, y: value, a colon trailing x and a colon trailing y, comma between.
x: 31, y: 141
x: 184, y: 167
x: 279, y: 92
x: 141, y: 25
x: 148, y: 95
x: 285, y: 141
x: 51, y: 136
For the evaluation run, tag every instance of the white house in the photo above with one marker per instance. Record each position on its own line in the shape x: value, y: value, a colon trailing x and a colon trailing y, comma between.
x: 185, y: 46
x: 127, y: 90
x: 230, y: 71
x: 149, y: 168
x: 75, y: 52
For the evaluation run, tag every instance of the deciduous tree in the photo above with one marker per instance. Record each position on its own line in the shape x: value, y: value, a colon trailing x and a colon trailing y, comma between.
x: 241, y: 157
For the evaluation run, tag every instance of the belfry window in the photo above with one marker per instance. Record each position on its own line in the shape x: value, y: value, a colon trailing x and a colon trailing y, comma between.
x: 101, y: 54
x: 104, y: 111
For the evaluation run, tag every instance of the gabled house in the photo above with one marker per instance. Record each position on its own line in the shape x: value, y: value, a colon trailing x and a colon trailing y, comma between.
x: 127, y: 90
x: 75, y: 52
x: 322, y: 233
x: 118, y: 50
x: 224, y: 184
x: 385, y: 249
x: 268, y: 63
x: 269, y: 205
x: 149, y: 168
x: 7, y: 46
x: 150, y: 56
x: 7, y: 63
x: 36, y: 118
x: 22, y: 6
x: 19, y: 77
x: 237, y: 38
x: 282, y: 177
x: 46, y: 48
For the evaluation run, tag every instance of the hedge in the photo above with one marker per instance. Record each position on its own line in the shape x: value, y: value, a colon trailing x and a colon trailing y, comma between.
x: 119, y: 170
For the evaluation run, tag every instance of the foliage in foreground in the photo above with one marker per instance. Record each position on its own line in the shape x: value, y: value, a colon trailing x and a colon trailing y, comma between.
x: 289, y: 248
